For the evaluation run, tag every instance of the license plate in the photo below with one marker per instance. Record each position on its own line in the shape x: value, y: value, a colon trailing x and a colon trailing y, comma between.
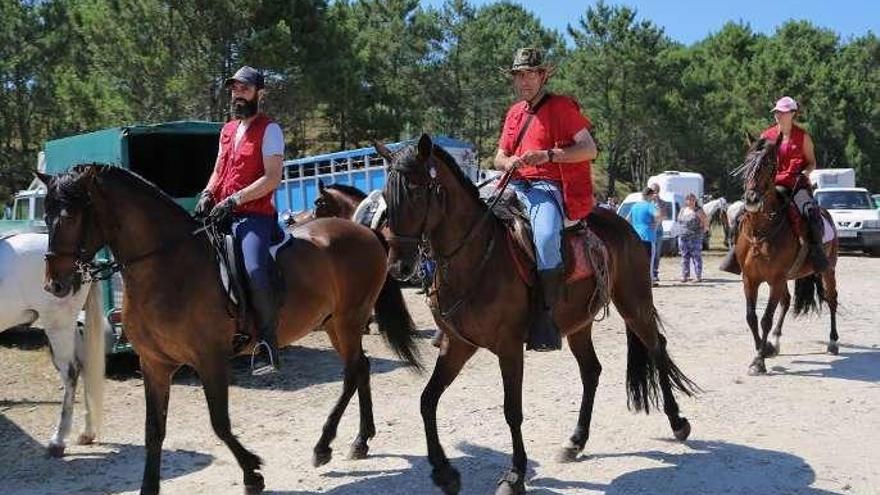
x: 848, y: 233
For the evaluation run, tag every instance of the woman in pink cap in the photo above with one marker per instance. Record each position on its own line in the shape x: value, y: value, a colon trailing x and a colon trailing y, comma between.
x: 795, y: 159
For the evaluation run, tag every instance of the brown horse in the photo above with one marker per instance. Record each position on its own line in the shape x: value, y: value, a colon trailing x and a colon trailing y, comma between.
x: 176, y: 310
x: 769, y: 250
x: 337, y: 200
x: 479, y: 300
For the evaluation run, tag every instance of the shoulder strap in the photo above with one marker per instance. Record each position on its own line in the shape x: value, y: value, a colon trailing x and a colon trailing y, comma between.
x: 525, y: 126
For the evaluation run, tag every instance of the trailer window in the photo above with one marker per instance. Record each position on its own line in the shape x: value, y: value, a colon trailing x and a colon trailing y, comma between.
x: 180, y: 164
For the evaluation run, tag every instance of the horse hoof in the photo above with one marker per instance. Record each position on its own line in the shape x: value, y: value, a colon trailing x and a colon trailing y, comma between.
x: 770, y: 351
x: 85, y: 439
x: 448, y: 479
x: 511, y: 484
x: 55, y: 450
x: 568, y: 454
x: 358, y: 452
x: 684, y: 432
x: 255, y: 484
x: 322, y: 457
x: 757, y: 369
x: 833, y: 348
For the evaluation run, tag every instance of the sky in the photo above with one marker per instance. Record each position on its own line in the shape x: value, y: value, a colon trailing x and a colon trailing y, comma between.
x: 688, y: 21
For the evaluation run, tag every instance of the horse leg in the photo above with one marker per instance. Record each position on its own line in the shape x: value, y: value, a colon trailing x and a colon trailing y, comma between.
x: 359, y: 447
x: 61, y: 345
x: 829, y: 281
x: 157, y: 385
x: 215, y: 382
x: 452, y: 358
x: 751, y: 290
x: 350, y: 351
x: 784, y: 304
x: 581, y: 345
x: 758, y: 367
x: 511, y: 362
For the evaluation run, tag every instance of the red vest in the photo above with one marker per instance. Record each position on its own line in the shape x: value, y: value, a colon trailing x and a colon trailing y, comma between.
x: 242, y: 166
x: 554, y: 125
x: 790, y: 158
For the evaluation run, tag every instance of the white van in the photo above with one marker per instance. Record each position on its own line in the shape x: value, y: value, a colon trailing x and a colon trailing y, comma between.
x: 674, y: 186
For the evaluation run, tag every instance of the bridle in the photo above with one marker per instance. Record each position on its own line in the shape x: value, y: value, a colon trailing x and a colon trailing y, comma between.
x: 91, y: 269
x: 751, y: 170
x: 435, y: 192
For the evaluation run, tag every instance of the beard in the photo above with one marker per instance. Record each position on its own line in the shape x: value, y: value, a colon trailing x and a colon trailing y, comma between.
x: 243, y: 109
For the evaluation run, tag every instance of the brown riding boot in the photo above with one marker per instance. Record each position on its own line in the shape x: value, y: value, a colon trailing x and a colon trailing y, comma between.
x: 543, y: 333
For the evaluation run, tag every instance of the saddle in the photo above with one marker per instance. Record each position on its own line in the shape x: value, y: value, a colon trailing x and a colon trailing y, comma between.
x: 235, y: 281
x: 583, y: 252
x: 799, y: 226
x: 371, y: 211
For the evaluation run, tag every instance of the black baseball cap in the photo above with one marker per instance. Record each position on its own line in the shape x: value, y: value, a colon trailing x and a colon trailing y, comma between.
x: 247, y: 75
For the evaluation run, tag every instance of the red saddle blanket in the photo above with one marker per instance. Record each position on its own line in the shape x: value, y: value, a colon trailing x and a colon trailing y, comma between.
x: 575, y: 246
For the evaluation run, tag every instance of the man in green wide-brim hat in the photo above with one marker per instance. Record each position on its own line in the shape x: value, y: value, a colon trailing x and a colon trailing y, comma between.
x: 546, y: 141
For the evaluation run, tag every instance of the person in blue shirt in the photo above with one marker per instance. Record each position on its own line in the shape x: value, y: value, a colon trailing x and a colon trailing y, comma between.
x: 644, y: 217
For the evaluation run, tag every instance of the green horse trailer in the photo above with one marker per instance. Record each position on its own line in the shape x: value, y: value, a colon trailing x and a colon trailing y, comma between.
x: 178, y: 157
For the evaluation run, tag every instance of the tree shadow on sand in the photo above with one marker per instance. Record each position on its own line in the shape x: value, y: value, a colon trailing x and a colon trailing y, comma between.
x: 859, y: 363
x: 102, y: 468
x: 710, y: 467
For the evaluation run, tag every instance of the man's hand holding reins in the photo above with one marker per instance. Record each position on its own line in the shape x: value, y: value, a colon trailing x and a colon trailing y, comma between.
x: 204, y: 205
x: 224, y: 209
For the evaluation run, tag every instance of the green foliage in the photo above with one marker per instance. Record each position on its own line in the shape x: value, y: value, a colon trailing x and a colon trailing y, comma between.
x: 343, y: 72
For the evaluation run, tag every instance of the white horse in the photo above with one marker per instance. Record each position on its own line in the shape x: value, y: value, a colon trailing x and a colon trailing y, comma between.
x: 716, y: 212
x: 23, y: 301
x: 733, y: 211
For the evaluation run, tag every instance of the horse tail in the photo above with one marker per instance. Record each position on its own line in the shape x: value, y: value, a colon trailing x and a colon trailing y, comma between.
x: 94, y: 364
x: 646, y: 370
x: 396, y: 324
x: 809, y: 294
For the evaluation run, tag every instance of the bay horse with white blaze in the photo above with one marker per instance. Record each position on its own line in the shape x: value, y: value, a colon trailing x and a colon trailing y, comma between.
x: 769, y: 249
x: 176, y: 311
x: 479, y: 300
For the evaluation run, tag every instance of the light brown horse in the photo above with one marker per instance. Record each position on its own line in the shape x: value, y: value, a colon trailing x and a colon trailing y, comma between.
x: 767, y: 249
x: 478, y: 300
x: 176, y: 310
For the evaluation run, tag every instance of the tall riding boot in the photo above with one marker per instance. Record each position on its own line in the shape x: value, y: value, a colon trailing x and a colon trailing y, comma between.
x: 730, y: 264
x: 543, y: 333
x: 265, y: 359
x: 817, y: 251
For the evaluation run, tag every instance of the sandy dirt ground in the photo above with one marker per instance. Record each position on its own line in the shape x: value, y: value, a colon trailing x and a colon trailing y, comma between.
x: 811, y: 426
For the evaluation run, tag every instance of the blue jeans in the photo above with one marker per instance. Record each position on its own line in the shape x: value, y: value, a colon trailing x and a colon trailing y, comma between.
x: 254, y: 235
x: 543, y: 201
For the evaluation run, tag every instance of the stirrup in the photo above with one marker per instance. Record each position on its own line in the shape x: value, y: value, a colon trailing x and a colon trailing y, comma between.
x: 266, y: 369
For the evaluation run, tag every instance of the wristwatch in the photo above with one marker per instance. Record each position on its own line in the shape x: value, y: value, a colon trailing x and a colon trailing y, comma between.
x: 550, y: 155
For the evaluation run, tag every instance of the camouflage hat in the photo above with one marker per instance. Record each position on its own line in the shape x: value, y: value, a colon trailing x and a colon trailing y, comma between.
x: 528, y: 59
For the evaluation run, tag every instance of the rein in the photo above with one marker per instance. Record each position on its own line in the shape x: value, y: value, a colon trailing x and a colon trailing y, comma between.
x: 93, y: 270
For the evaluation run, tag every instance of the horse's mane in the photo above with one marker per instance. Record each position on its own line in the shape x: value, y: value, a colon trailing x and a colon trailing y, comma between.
x: 348, y: 190
x: 457, y: 172
x: 754, y: 160
x: 69, y: 191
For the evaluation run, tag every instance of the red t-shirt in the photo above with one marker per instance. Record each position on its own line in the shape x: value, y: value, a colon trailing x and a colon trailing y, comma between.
x: 554, y: 126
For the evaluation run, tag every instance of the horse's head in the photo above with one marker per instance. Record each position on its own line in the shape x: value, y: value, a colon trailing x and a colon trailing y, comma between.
x: 416, y: 203
x: 74, y: 237
x: 759, y: 172
x: 327, y: 204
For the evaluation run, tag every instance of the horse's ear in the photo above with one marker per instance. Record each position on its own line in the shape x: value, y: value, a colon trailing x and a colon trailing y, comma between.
x: 383, y: 151
x: 45, y: 178
x: 425, y: 146
x: 750, y: 138
x: 321, y: 186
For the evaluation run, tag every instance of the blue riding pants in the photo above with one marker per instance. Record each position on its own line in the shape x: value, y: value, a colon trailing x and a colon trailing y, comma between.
x: 543, y: 200
x: 254, y: 234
